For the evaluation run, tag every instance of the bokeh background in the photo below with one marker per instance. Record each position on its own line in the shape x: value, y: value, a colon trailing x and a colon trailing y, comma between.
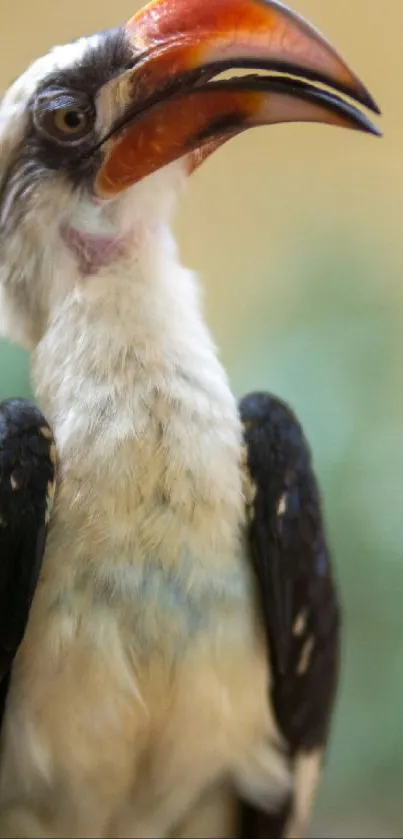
x: 297, y: 232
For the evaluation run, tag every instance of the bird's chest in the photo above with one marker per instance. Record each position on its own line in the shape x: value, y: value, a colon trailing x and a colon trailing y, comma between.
x: 158, y: 641
x: 159, y: 547
x: 160, y: 599
x: 146, y: 602
x: 164, y: 607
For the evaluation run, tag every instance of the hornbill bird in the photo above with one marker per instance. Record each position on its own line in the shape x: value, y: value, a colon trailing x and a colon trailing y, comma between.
x: 169, y: 648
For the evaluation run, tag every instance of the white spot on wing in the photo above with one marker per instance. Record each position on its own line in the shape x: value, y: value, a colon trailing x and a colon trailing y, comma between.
x: 46, y: 432
x: 305, y: 658
x: 249, y: 487
x: 53, y: 454
x: 50, y: 497
x: 307, y: 775
x: 282, y: 505
x: 14, y: 484
x: 300, y: 624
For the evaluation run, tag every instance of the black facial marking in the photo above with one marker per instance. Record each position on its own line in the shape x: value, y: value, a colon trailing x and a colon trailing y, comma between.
x: 105, y: 59
x: 38, y: 156
x: 109, y: 57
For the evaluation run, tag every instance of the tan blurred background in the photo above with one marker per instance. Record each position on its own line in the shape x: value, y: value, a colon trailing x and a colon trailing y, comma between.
x: 297, y: 232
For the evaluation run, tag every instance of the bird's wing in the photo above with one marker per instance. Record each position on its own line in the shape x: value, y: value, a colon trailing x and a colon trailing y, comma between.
x: 27, y: 483
x: 299, y: 601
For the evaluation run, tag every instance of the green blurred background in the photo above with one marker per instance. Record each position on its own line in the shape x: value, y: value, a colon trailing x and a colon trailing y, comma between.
x: 297, y: 232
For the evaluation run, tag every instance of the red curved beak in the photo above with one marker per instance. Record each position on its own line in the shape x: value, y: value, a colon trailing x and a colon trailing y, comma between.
x: 171, y: 106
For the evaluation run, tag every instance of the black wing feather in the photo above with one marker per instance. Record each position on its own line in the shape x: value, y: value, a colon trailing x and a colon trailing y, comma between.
x: 295, y: 580
x: 27, y: 481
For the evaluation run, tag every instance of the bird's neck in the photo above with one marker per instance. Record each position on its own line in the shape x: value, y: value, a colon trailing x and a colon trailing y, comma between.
x: 129, y: 378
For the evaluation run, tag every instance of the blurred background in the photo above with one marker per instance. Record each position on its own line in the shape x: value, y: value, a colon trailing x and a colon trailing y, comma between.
x: 297, y: 232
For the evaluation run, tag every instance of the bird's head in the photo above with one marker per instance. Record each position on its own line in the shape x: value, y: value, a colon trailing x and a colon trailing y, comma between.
x: 97, y: 136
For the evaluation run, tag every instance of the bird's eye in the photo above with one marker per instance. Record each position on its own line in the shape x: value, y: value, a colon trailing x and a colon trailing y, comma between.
x: 64, y: 116
x: 71, y: 120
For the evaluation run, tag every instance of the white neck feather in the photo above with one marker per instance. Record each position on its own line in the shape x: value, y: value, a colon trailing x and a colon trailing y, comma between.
x: 129, y: 378
x: 127, y: 336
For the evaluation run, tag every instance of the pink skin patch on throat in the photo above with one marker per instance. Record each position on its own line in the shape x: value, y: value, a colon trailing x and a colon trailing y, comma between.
x: 92, y: 251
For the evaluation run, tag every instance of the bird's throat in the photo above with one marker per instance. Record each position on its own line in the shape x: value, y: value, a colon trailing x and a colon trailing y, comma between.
x: 93, y: 251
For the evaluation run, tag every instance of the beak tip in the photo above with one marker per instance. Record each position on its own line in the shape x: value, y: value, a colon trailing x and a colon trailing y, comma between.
x: 370, y: 128
x: 371, y: 104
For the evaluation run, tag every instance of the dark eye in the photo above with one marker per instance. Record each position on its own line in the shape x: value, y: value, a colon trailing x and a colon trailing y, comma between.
x: 67, y: 117
x: 71, y: 120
